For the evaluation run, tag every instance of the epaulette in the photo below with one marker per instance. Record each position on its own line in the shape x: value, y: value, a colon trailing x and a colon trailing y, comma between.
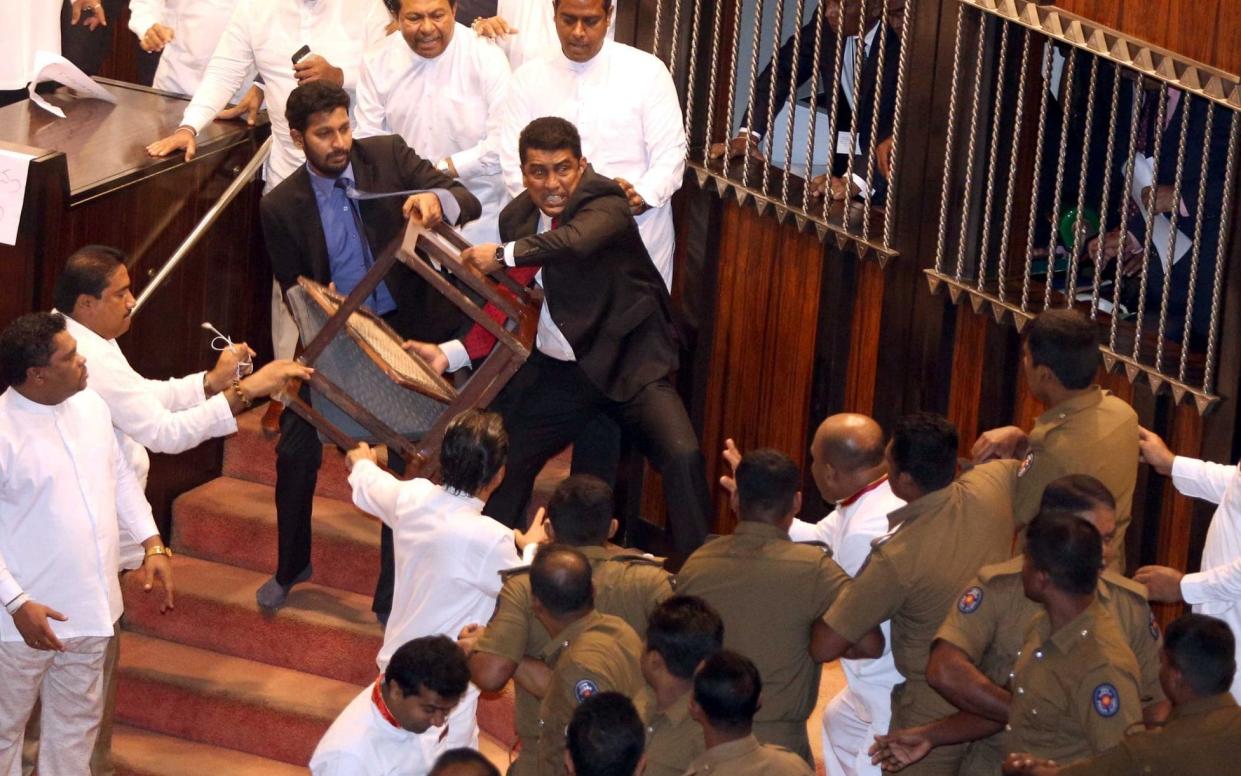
x: 1121, y: 581
x: 1002, y: 569
x: 645, y: 560
x: 826, y: 548
x: 508, y: 574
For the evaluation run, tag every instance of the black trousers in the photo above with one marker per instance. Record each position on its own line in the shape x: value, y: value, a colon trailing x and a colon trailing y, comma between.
x: 88, y: 48
x: 299, y: 453
x: 547, y: 405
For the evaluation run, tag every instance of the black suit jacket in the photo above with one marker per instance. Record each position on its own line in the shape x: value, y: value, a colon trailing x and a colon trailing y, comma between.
x: 765, y: 95
x: 600, y: 285
x: 296, y: 245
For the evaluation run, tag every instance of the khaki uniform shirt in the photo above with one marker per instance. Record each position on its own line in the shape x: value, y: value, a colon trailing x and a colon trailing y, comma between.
x: 917, y: 571
x: 673, y: 738
x: 990, y: 619
x: 769, y: 592
x: 628, y: 586
x: 747, y: 757
x: 1200, y: 737
x: 1075, y: 691
x: 598, y: 653
x: 1096, y: 434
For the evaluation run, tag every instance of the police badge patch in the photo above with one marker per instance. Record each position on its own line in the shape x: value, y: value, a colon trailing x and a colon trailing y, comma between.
x: 1025, y: 464
x: 1154, y: 626
x: 971, y: 599
x: 584, y: 689
x: 1106, y: 700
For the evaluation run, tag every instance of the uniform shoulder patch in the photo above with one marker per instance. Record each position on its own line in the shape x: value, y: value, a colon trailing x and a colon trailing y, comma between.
x: 507, y: 574
x: 970, y: 600
x: 1106, y: 700
x: 583, y: 689
x: 1154, y: 627
x: 1025, y: 464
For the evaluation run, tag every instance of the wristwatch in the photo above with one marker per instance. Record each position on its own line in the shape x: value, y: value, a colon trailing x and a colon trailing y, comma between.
x: 500, y: 255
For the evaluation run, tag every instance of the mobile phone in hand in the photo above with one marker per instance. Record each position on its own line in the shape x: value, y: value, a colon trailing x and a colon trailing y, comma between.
x: 301, y: 54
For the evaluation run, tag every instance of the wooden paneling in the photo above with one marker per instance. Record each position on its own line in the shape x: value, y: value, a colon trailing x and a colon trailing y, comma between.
x: 1205, y: 30
x: 864, y: 342
x: 969, y: 361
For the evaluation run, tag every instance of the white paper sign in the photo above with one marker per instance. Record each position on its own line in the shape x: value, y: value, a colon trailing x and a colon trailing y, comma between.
x: 13, y: 170
x: 1160, y: 226
x: 54, y: 67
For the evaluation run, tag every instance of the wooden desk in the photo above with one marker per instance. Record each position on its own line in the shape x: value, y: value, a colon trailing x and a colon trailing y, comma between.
x: 92, y: 182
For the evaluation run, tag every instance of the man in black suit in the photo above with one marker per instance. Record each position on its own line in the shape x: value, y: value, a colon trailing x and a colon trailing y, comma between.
x: 605, y: 338
x: 311, y: 226
x: 771, y: 91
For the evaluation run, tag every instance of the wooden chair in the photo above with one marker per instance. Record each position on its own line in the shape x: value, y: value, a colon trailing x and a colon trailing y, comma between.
x: 366, y: 387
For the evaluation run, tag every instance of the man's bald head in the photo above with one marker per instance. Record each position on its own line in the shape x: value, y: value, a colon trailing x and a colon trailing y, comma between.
x: 846, y: 455
x: 560, y: 579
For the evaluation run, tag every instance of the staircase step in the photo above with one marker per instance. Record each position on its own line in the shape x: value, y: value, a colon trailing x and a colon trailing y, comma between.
x: 225, y: 701
x: 321, y: 630
x: 234, y: 521
x: 143, y: 753
x: 250, y: 455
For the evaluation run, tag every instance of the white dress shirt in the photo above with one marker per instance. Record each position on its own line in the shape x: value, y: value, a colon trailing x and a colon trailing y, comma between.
x: 264, y: 35
x: 197, y: 26
x: 362, y: 743
x: 29, y: 26
x: 624, y: 105
x: 849, y: 530
x: 549, y: 339
x: 167, y: 416
x: 448, y: 107
x: 1216, y: 589
x: 65, y: 490
x: 535, y: 23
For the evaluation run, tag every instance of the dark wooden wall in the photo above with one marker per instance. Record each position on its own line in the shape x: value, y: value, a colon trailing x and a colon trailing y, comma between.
x: 1206, y: 30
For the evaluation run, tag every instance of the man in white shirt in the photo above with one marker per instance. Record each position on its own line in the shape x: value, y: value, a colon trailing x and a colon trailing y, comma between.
x: 849, y: 469
x: 395, y: 727
x: 525, y: 29
x: 34, y: 25
x: 264, y: 36
x: 449, y: 555
x: 1216, y: 589
x: 65, y: 491
x: 625, y: 108
x: 184, y: 32
x: 442, y: 90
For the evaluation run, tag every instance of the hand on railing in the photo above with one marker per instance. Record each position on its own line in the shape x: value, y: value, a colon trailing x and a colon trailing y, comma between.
x: 429, y: 352
x: 182, y: 139
x: 249, y: 106
x: 840, y: 189
x: 737, y: 147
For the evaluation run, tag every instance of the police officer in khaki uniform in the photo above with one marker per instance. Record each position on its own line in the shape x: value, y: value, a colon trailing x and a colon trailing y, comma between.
x: 683, y: 631
x: 770, y: 592
x: 726, y: 696
x: 627, y: 585
x: 1203, y: 734
x: 950, y: 527
x: 588, y: 652
x: 1086, y: 430
x: 1075, y: 685
x: 976, y: 647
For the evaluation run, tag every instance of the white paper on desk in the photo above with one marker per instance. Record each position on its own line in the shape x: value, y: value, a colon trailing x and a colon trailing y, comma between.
x: 13, y: 170
x: 1161, y: 225
x: 54, y: 67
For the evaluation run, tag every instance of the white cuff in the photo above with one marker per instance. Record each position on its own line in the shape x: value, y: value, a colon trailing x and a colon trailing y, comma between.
x: 509, y: 258
x: 12, y: 606
x: 1194, y: 588
x: 458, y: 358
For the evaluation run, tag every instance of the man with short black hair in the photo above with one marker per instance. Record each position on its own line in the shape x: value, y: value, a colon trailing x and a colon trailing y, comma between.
x: 727, y: 692
x: 388, y: 727
x: 682, y: 632
x: 1202, y: 736
x: 463, y: 762
x: 589, y: 652
x: 1085, y: 429
x: 66, y: 491
x: 449, y: 555
x: 627, y: 585
x: 605, y: 344
x: 605, y: 738
x: 771, y: 593
x: 949, y: 527
x: 315, y: 227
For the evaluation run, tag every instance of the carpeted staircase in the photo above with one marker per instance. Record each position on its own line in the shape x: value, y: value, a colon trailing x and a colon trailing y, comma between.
x: 217, y: 686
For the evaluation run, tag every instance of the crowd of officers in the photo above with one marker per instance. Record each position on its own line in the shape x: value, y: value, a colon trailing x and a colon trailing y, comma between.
x: 1019, y: 646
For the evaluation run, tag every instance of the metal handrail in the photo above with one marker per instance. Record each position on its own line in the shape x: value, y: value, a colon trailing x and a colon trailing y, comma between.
x: 234, y: 188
